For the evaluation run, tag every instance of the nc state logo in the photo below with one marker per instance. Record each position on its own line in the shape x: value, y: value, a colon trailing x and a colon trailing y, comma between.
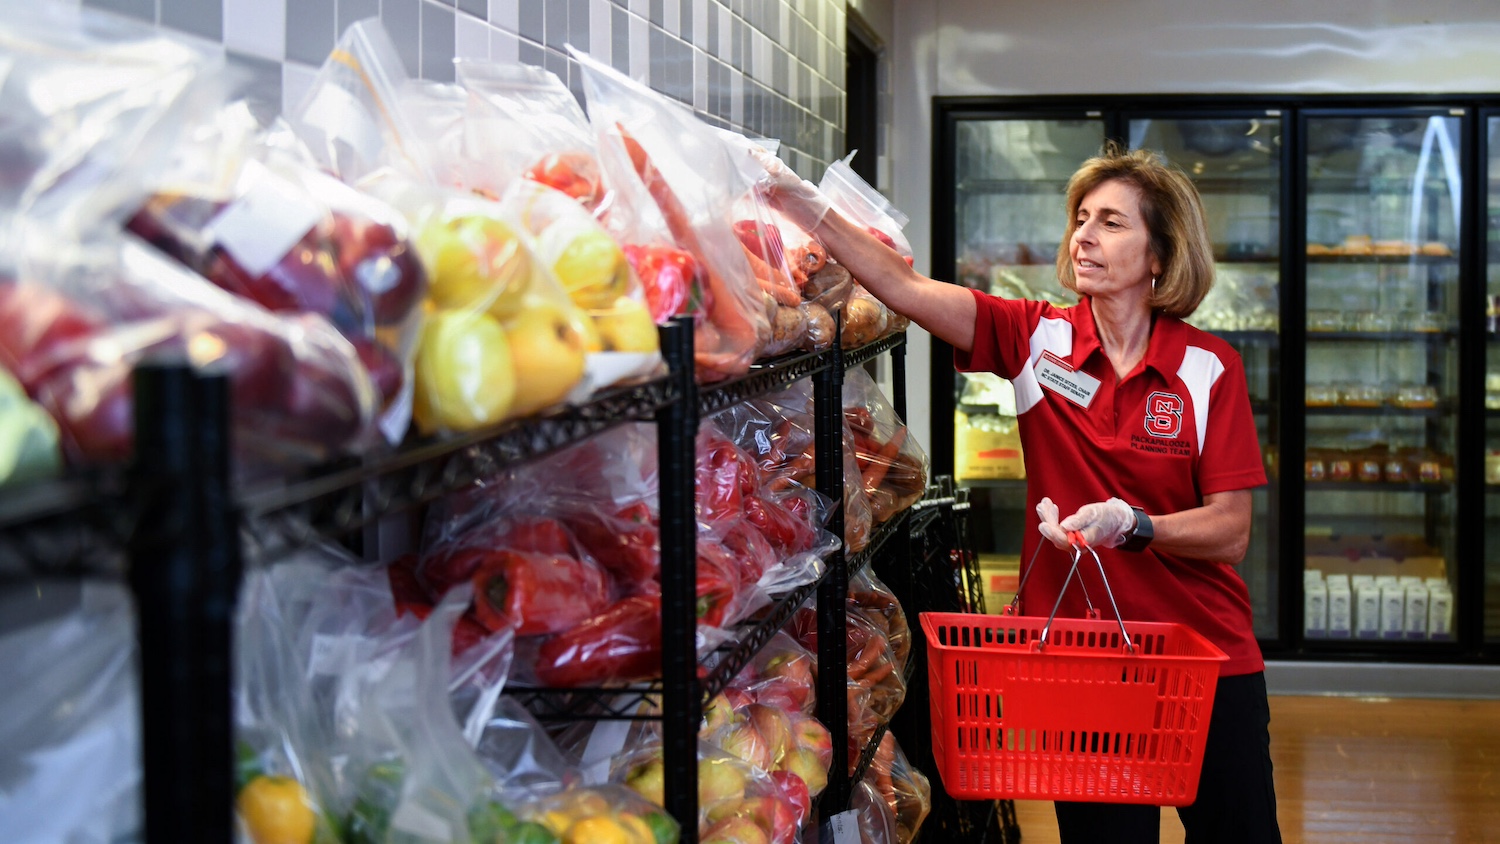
x: 1163, y: 415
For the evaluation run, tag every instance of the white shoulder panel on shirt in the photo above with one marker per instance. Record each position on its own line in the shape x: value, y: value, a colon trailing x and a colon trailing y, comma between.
x: 1200, y: 370
x: 1051, y: 335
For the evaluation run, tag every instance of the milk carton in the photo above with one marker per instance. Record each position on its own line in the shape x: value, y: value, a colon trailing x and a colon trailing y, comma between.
x: 1416, y: 611
x: 1340, y: 611
x: 1315, y: 609
x: 1367, y: 610
x: 1440, y: 613
x: 1392, y: 611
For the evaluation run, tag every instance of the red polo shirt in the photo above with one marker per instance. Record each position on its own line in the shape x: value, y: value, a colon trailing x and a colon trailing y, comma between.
x: 1177, y: 428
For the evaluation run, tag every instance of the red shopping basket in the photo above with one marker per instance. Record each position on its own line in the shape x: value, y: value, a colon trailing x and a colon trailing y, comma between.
x: 1097, y: 711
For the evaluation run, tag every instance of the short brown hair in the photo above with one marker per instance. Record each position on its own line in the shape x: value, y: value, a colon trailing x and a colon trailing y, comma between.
x: 1173, y: 214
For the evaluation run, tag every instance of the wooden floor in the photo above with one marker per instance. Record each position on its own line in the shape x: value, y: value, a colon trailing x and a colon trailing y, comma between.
x: 1367, y: 771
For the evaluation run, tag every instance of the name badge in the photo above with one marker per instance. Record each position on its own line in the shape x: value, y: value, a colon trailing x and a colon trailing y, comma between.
x: 1073, y: 385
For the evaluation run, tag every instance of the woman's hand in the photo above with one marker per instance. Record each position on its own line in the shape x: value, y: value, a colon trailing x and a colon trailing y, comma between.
x: 1050, y: 530
x: 1102, y: 524
x: 797, y: 198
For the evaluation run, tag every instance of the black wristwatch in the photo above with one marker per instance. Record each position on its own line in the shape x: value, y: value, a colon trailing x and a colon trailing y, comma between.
x: 1141, y: 535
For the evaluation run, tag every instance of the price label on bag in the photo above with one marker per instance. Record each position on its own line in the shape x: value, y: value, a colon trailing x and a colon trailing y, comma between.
x: 842, y: 828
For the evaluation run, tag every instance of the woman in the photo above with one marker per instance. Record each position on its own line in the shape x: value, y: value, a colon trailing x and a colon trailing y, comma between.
x: 1137, y: 427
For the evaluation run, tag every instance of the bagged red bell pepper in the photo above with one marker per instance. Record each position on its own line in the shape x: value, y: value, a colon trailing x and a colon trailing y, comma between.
x: 536, y: 593
x: 620, y: 644
x: 627, y: 543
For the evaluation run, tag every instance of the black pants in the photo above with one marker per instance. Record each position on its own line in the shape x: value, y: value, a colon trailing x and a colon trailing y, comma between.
x: 1236, y: 801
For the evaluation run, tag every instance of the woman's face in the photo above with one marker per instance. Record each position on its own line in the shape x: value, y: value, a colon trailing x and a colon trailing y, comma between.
x: 1111, y: 248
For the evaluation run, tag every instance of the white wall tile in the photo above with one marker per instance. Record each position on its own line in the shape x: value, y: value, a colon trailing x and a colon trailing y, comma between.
x: 504, y: 46
x: 641, y: 8
x: 726, y: 33
x: 471, y: 38
x: 600, y: 44
x: 506, y: 13
x: 671, y: 18
x: 296, y: 79
x: 700, y: 23
x: 640, y: 49
x: 256, y: 27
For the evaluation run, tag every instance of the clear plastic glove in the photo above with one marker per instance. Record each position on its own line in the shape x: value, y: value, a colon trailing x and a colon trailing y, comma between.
x: 1049, y: 527
x: 797, y: 198
x: 1102, y: 524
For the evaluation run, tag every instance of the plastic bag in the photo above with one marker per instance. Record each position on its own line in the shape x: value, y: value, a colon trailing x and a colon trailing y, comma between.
x: 651, y: 144
x: 283, y: 741
x: 82, y: 314
x: 528, y: 572
x: 860, y: 203
x: 597, y: 277
x: 876, y: 821
x: 737, y: 803
x: 522, y: 122
x: 784, y: 743
x: 89, y: 101
x: 753, y: 223
x: 70, y: 742
x: 905, y: 790
x: 793, y: 462
x: 243, y: 208
x: 781, y: 674
x: 893, y: 467
x: 501, y: 338
x: 350, y: 117
x: 876, y: 603
x: 28, y: 437
x: 608, y: 812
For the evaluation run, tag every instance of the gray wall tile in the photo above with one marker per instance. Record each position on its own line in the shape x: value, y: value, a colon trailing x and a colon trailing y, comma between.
x: 531, y: 21
x: 438, y: 31
x: 619, y: 40
x: 350, y: 11
x: 764, y: 67
x: 578, y: 23
x: 311, y: 29
x: 200, y: 17
x: 140, y: 9
x: 402, y: 19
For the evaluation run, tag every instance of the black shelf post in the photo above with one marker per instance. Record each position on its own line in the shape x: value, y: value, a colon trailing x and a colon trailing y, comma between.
x: 828, y: 444
x: 185, y: 574
x: 682, y: 704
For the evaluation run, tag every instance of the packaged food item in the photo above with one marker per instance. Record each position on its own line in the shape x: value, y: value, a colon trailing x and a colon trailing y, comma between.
x: 1315, y: 609
x: 1440, y: 613
x: 1416, y: 611
x: 1367, y: 610
x: 1340, y: 610
x: 1392, y: 610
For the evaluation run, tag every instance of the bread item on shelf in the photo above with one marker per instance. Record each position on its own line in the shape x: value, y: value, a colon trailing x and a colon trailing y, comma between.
x: 1435, y: 248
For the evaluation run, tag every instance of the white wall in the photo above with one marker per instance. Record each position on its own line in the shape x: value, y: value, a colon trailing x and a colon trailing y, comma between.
x: 1029, y: 47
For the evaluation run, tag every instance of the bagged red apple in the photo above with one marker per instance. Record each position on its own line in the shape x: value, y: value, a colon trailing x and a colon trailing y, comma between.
x: 82, y: 314
x: 244, y: 208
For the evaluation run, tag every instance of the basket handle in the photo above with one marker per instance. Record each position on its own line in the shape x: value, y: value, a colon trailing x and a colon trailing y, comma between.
x: 1014, y: 607
x: 1079, y: 546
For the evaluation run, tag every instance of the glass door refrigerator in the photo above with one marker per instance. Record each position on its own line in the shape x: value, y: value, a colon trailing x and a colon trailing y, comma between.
x: 1488, y: 583
x: 1236, y: 161
x: 1382, y: 267
x: 1006, y: 196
